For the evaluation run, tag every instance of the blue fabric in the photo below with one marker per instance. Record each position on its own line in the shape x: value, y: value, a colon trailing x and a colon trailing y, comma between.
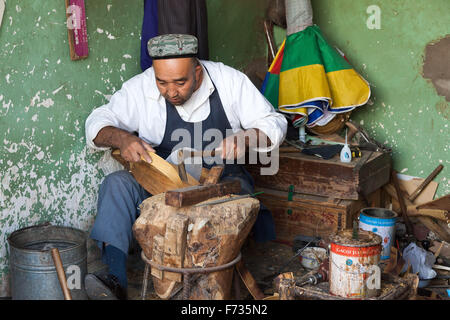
x: 117, y: 210
x: 117, y: 263
x: 149, y: 30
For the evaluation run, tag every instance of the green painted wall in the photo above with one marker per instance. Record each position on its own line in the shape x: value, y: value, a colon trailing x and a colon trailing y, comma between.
x: 405, y: 111
x: 46, y: 171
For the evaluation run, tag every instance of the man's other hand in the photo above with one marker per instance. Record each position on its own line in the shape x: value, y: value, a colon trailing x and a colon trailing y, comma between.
x: 134, y: 149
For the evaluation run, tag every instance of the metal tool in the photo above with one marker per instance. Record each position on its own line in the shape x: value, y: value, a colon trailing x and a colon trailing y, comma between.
x: 299, y: 145
x: 320, y: 276
x: 228, y: 199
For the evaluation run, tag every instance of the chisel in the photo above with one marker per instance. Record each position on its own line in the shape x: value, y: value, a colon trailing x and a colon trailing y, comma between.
x: 228, y: 199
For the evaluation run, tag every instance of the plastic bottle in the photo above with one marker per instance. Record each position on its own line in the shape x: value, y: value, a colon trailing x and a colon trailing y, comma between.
x: 346, y: 154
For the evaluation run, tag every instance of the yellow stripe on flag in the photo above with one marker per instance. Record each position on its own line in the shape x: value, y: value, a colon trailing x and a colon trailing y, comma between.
x: 343, y: 88
x: 348, y: 89
x: 303, y: 84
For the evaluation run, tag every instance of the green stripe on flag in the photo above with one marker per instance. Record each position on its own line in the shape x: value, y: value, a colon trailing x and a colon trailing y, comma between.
x: 309, y: 47
x: 272, y: 89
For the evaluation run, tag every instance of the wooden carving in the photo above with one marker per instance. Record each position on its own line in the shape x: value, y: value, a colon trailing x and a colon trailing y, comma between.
x: 156, y: 177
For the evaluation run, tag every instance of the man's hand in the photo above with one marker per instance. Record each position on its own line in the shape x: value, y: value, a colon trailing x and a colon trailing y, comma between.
x: 235, y: 146
x: 132, y: 148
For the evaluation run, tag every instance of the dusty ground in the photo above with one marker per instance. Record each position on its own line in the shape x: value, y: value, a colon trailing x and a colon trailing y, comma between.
x: 264, y: 261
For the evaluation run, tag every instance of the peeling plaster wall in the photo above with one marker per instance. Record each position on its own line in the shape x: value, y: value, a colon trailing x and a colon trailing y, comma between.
x: 46, y: 171
x: 406, y: 111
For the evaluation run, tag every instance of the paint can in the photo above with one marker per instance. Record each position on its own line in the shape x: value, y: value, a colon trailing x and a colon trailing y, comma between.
x: 354, y: 270
x: 32, y: 270
x: 382, y: 222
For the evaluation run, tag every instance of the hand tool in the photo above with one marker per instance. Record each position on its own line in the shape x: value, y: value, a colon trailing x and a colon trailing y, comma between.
x: 356, y: 152
x: 228, y: 199
x: 61, y: 275
x: 320, y: 276
x: 181, y: 167
x: 422, y: 186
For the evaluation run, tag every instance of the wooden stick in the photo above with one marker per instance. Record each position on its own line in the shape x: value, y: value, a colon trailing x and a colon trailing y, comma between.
x: 401, y: 200
x: 433, y: 213
x: 249, y: 281
x: 181, y: 167
x: 423, y: 185
x: 61, y: 275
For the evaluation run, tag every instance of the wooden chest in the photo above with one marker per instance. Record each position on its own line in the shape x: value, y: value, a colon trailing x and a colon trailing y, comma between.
x: 328, y: 178
x: 309, y: 215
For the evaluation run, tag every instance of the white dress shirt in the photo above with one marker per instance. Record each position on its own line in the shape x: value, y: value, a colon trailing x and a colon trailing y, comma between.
x: 139, y: 106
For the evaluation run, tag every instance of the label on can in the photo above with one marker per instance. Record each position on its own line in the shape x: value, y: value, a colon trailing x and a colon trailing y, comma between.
x: 383, y: 227
x: 352, y: 270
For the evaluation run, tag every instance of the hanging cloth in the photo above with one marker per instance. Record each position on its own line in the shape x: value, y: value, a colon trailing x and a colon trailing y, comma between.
x: 149, y: 30
x: 187, y: 17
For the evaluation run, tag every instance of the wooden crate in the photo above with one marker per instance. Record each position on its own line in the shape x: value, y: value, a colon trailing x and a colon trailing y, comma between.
x: 311, y: 215
x: 328, y: 178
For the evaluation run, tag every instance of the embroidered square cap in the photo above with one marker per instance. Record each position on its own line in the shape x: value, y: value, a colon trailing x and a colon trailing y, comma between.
x: 172, y: 46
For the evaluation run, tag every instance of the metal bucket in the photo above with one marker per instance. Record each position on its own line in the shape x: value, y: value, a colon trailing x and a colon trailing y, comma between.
x: 32, y: 271
x: 354, y: 271
x: 382, y: 222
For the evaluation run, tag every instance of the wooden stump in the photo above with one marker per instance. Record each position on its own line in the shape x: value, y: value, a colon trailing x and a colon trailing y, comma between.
x: 194, y: 237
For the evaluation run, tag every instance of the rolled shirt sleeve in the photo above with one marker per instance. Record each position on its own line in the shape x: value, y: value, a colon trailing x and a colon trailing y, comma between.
x: 120, y: 112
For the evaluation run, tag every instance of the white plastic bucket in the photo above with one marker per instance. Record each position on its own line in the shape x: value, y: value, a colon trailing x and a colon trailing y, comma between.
x: 382, y: 222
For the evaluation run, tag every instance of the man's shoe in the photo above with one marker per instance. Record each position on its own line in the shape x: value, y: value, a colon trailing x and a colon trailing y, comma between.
x: 102, y: 286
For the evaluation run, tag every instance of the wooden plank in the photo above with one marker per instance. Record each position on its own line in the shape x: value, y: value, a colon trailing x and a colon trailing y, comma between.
x: 156, y: 177
x: 196, y: 194
x: 442, y: 203
x: 249, y: 281
x: 428, y: 222
x: 175, y: 245
x: 158, y: 255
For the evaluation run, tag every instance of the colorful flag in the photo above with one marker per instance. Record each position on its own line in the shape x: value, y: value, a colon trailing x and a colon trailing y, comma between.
x: 314, y: 80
